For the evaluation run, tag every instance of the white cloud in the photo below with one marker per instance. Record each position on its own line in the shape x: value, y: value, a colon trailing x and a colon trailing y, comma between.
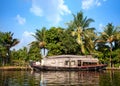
x: 97, y: 3
x: 20, y: 19
x: 27, y: 34
x: 36, y: 10
x: 62, y: 7
x: 86, y: 4
x: 51, y: 10
x: 25, y: 40
x: 101, y: 26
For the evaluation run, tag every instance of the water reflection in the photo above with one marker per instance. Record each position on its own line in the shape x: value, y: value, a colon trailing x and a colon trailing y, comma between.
x: 59, y: 78
x: 110, y: 78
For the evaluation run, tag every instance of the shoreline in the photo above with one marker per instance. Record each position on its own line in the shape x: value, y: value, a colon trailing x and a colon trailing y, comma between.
x: 20, y: 68
x: 113, y: 68
x: 14, y: 68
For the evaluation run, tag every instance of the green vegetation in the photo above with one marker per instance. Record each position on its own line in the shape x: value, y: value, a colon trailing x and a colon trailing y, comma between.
x: 109, y: 42
x: 85, y: 35
x: 6, y: 42
x: 78, y: 39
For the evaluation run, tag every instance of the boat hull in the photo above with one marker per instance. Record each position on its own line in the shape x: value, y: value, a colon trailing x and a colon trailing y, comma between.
x: 81, y: 68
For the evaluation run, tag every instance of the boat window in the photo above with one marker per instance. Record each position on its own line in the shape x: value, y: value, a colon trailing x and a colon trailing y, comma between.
x: 72, y: 62
x: 79, y: 62
x: 89, y: 63
x: 66, y: 62
x: 94, y: 63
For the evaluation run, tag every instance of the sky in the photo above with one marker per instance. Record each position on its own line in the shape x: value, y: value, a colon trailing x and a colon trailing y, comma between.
x: 23, y: 17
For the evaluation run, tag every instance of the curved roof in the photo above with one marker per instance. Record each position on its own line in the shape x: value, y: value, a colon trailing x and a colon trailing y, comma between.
x: 71, y: 56
x: 87, y: 58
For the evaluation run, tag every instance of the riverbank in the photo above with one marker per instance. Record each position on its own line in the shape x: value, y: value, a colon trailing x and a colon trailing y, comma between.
x: 113, y: 68
x: 16, y: 68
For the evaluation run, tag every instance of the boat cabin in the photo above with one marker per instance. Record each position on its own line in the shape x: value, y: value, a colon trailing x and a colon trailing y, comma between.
x: 69, y: 61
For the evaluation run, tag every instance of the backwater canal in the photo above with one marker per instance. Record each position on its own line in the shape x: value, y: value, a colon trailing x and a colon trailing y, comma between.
x: 60, y: 78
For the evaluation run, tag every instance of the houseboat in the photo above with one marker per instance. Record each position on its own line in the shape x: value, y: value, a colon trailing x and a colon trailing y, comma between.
x: 68, y: 62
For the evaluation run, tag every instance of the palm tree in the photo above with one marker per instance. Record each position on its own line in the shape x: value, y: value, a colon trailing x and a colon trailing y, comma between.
x: 117, y: 39
x: 40, y: 38
x: 82, y: 30
x: 7, y: 41
x: 3, y: 55
x: 10, y: 42
x: 109, y: 36
x: 89, y: 37
x: 24, y: 53
x: 34, y: 51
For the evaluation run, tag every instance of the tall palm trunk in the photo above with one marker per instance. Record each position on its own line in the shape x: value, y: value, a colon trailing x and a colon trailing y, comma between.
x: 8, y: 59
x: 81, y: 24
x: 110, y: 54
x: 3, y: 61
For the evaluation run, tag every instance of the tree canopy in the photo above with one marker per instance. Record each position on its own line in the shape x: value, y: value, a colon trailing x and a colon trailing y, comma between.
x: 6, y: 42
x: 77, y: 38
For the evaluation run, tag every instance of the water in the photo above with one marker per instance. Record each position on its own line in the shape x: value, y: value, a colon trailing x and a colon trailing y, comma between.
x: 63, y: 78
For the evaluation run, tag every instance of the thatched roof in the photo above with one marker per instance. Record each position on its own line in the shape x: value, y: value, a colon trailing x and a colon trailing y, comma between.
x: 85, y: 58
x: 70, y: 56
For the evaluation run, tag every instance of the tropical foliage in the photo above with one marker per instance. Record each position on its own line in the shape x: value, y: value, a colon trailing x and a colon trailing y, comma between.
x: 85, y: 35
x: 6, y: 43
x: 40, y: 39
x: 60, y: 41
x: 108, y: 41
x: 77, y: 38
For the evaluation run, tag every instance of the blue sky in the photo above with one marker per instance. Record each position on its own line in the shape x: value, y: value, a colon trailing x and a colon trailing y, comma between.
x: 23, y: 17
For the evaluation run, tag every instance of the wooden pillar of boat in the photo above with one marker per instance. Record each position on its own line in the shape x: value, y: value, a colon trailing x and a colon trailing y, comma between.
x: 81, y: 63
x: 69, y: 62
